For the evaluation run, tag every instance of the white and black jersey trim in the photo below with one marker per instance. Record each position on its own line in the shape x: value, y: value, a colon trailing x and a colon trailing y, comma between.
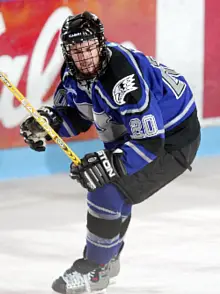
x: 181, y: 115
x: 139, y: 152
x: 68, y: 129
x: 140, y: 84
x: 135, y: 110
x: 147, y: 97
x: 105, y: 98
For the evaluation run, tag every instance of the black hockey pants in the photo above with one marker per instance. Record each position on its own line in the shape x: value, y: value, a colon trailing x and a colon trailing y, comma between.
x: 154, y: 176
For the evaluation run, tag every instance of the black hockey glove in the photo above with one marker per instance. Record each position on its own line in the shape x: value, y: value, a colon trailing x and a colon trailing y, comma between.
x: 34, y: 135
x: 98, y: 169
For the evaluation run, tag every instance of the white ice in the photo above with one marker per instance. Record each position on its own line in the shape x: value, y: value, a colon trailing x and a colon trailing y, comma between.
x: 172, y: 246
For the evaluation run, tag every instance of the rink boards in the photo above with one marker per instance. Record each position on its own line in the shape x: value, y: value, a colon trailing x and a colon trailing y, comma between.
x: 24, y: 162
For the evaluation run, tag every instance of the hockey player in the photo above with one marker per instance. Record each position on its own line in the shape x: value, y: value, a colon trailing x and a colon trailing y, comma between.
x: 146, y: 116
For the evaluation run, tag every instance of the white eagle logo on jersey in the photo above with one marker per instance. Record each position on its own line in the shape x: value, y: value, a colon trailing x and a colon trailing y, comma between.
x: 122, y: 88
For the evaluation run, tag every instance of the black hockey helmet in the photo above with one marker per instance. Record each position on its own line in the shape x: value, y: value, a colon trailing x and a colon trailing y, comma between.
x: 80, y: 28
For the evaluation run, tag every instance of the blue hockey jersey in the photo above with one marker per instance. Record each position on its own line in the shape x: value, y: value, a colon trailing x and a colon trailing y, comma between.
x: 134, y: 104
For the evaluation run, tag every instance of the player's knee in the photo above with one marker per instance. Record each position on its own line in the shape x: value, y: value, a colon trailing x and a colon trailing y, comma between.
x: 103, y: 227
x: 104, y: 213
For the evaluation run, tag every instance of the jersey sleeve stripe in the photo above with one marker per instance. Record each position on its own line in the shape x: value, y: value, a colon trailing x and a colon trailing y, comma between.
x: 136, y: 110
x: 68, y: 129
x: 139, y: 152
x: 181, y: 115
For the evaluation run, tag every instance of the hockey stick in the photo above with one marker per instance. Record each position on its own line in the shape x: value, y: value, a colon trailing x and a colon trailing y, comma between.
x: 50, y: 131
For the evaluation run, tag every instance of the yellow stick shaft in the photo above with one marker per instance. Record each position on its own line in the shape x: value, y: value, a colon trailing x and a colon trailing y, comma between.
x: 50, y: 131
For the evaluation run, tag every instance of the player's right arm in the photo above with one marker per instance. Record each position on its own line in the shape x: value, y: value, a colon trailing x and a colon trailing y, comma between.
x: 63, y: 118
x: 72, y: 122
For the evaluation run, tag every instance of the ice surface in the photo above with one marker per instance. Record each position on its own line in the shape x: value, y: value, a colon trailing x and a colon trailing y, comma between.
x: 172, y: 246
